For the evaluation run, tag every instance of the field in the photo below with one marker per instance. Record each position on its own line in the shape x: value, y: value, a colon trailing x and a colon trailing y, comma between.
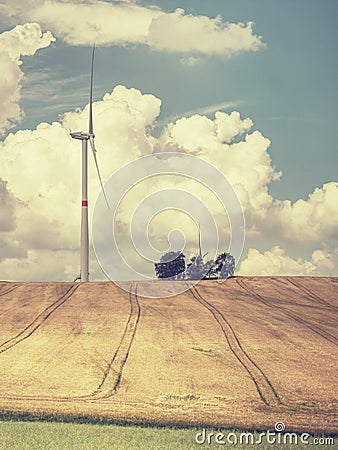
x: 244, y: 354
x: 75, y: 436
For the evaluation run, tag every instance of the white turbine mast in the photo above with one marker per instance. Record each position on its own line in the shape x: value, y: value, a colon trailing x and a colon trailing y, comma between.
x: 199, y: 242
x: 200, y: 255
x: 85, y: 137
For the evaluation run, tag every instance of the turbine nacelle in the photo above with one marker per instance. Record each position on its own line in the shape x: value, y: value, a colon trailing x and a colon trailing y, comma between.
x: 81, y: 136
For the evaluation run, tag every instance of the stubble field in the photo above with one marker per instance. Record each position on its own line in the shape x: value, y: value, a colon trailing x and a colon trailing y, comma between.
x: 246, y: 353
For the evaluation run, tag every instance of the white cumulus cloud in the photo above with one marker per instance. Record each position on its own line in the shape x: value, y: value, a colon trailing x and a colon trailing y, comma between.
x: 8, y: 203
x: 182, y: 33
x: 231, y: 125
x: 314, y: 219
x: 190, y: 61
x: 276, y: 262
x: 23, y: 40
x: 118, y: 23
x: 43, y: 203
x: 48, y: 162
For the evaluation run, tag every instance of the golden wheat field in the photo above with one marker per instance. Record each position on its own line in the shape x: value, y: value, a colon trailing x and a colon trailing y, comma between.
x: 245, y: 353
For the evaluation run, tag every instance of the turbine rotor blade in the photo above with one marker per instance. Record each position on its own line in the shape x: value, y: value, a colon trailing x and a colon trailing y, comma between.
x: 91, y: 94
x: 91, y: 139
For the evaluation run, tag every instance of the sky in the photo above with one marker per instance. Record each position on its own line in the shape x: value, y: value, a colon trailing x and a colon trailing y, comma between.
x: 250, y: 87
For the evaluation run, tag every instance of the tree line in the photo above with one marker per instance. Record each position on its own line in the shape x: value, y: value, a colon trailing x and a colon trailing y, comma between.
x: 172, y: 266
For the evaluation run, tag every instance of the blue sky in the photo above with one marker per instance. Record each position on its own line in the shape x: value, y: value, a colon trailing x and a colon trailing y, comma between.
x: 288, y: 88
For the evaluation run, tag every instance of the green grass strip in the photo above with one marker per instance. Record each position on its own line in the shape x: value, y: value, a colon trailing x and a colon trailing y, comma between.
x: 23, y: 435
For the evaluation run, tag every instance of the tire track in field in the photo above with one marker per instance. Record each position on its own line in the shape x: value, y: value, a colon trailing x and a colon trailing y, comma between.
x: 310, y: 294
x: 264, y: 387
x: 285, y: 285
x: 316, y: 329
x: 111, y: 380
x: 38, y: 321
x: 11, y: 289
x: 113, y: 374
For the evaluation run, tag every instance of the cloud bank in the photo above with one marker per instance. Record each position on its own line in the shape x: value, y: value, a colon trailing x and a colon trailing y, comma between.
x: 185, y: 33
x: 23, y: 40
x: 121, y: 23
x: 276, y: 262
x: 40, y: 234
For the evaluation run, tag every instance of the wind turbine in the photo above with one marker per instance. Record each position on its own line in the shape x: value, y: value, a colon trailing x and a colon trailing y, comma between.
x: 85, y: 137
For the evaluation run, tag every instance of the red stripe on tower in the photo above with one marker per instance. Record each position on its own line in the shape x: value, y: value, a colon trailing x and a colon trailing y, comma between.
x: 84, y: 202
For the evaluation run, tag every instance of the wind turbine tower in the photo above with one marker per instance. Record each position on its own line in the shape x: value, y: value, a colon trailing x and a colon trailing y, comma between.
x: 199, y: 243
x: 85, y: 137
